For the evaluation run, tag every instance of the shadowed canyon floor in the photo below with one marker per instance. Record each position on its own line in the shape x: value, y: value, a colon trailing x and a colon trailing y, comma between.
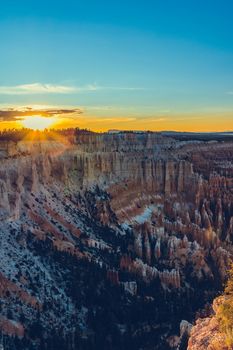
x: 109, y: 241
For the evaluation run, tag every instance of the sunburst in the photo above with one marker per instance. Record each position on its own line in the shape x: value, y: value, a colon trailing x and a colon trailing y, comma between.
x: 37, y: 122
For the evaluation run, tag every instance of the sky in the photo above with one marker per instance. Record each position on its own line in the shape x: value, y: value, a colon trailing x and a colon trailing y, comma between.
x: 152, y: 64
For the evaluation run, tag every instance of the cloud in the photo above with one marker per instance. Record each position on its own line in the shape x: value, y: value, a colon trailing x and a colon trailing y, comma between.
x: 96, y: 87
x: 126, y: 88
x: 229, y: 93
x: 39, y: 88
x: 36, y: 88
x: 115, y: 120
x: 12, y: 114
x: 158, y: 120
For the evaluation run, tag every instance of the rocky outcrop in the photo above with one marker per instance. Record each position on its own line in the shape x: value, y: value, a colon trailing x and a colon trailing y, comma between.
x: 206, y: 333
x: 11, y: 327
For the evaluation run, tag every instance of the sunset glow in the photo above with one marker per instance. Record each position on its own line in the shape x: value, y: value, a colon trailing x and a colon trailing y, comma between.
x: 37, y: 122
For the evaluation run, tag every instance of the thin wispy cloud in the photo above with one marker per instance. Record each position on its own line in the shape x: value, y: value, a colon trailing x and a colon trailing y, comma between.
x: 39, y: 88
x: 36, y: 88
x: 96, y: 87
x: 158, y: 120
x: 115, y: 120
x: 127, y: 88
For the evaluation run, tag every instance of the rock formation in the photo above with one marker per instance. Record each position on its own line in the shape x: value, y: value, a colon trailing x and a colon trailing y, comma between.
x: 206, y: 333
x: 111, y: 230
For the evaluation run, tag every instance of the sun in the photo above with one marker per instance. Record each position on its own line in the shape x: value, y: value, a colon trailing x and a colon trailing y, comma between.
x: 37, y: 122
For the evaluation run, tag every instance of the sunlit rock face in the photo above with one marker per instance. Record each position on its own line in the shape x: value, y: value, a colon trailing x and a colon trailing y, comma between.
x: 206, y: 333
x: 112, y: 239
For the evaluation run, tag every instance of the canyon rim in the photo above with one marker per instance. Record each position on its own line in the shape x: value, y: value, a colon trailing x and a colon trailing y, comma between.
x: 116, y: 175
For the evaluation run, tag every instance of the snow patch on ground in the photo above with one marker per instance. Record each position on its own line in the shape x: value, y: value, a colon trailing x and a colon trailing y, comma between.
x: 145, y: 215
x: 141, y: 218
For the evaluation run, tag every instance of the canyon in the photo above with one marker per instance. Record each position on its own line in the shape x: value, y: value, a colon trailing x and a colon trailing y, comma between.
x: 113, y: 240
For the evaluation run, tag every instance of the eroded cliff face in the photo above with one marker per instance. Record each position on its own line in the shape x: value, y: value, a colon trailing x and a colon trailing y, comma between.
x: 135, y: 214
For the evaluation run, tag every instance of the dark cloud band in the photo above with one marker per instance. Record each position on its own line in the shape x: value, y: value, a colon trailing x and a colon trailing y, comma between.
x: 11, y: 114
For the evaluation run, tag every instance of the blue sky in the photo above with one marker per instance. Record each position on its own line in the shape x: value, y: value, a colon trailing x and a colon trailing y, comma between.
x: 134, y: 59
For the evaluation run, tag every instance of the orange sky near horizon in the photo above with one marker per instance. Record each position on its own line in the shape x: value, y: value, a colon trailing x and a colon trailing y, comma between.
x: 182, y: 122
